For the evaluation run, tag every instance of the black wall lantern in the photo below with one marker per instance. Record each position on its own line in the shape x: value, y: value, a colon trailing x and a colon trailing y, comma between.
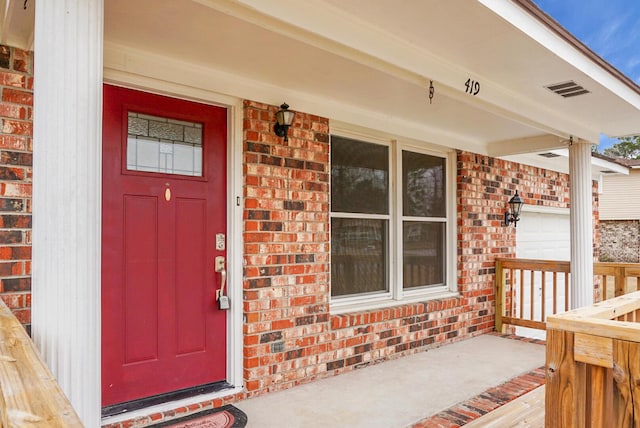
x: 513, y: 215
x: 284, y: 119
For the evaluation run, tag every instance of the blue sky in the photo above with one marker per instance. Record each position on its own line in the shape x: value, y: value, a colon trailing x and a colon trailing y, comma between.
x: 611, y: 28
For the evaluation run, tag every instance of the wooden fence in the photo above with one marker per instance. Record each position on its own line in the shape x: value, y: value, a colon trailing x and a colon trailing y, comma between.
x: 29, y: 394
x: 593, y: 365
x: 527, y: 291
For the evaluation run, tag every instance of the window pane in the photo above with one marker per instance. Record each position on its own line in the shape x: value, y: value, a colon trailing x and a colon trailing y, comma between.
x: 423, y: 185
x: 359, y: 177
x: 358, y: 256
x: 423, y: 254
x: 158, y: 144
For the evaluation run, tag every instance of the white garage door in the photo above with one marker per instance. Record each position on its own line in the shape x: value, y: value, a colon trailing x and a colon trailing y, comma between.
x: 544, y: 236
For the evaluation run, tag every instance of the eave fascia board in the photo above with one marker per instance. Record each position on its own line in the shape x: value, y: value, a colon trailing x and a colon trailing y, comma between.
x: 329, y: 28
x: 608, y: 165
x: 135, y: 68
x: 561, y: 163
x: 531, y: 25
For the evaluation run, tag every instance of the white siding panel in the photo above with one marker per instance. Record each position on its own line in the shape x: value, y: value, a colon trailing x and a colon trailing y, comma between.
x: 620, y: 197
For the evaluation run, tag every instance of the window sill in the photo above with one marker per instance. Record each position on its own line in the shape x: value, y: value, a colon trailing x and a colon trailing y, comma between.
x: 339, y: 308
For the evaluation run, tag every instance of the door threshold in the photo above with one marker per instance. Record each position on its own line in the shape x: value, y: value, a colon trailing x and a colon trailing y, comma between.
x: 136, y: 409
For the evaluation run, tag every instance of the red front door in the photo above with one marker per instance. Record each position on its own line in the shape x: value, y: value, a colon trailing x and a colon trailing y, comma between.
x: 164, y: 211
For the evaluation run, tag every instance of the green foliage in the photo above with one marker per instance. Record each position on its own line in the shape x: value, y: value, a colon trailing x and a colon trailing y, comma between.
x: 627, y: 147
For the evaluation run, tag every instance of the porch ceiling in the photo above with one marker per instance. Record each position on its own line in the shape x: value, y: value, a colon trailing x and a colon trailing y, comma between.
x: 377, y: 58
x: 370, y: 63
x: 299, y: 66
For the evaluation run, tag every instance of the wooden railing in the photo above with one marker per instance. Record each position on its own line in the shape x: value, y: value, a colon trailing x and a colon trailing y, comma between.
x: 593, y: 365
x: 29, y: 394
x: 530, y: 290
x: 527, y: 291
x: 618, y: 278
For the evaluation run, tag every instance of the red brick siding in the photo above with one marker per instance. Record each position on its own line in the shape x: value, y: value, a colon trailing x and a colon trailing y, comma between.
x: 597, y: 283
x: 289, y: 335
x: 286, y: 249
x: 16, y: 114
x: 484, y: 186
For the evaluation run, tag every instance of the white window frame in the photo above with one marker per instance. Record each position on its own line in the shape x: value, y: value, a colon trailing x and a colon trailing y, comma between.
x: 396, y: 294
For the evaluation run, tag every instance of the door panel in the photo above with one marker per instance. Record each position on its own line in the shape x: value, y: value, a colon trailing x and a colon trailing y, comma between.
x: 164, y: 200
x: 140, y: 279
x: 190, y: 267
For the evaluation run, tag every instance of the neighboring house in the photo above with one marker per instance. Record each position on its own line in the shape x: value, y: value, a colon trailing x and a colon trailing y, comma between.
x: 369, y: 233
x: 620, y: 214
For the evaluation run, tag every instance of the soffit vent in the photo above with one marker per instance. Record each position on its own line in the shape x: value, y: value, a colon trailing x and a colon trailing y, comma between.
x: 607, y: 171
x: 549, y: 155
x: 567, y: 89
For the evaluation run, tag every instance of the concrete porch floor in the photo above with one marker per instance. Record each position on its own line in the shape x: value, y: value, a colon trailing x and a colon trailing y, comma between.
x: 401, y: 392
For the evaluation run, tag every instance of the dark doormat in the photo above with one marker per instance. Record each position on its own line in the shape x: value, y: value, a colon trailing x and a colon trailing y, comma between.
x: 221, y: 417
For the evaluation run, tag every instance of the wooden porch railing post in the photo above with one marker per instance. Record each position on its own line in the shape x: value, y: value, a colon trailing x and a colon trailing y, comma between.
x: 599, y: 396
x: 532, y: 295
x: 626, y: 374
x: 620, y: 281
x: 593, y: 365
x: 565, y: 383
x: 500, y: 296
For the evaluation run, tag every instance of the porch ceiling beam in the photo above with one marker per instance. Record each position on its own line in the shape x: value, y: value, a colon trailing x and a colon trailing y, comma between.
x: 329, y: 28
x: 538, y: 143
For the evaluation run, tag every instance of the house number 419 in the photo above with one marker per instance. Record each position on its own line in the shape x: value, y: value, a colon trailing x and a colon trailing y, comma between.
x: 472, y: 87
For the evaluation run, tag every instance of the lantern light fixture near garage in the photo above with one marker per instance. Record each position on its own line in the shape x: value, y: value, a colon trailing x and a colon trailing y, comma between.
x: 513, y: 214
x: 284, y: 119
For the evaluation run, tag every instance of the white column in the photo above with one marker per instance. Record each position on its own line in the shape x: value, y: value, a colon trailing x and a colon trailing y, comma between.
x: 581, y: 217
x: 67, y: 175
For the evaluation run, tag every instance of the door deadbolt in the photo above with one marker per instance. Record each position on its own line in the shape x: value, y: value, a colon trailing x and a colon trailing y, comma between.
x: 220, y: 242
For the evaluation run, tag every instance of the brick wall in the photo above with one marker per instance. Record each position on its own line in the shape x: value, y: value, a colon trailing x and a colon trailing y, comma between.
x: 286, y: 247
x: 484, y: 186
x: 596, y: 221
x: 597, y: 283
x: 289, y: 335
x: 16, y: 87
x: 620, y: 241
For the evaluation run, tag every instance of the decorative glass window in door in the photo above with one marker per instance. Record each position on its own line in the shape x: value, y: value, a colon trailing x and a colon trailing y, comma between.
x: 167, y: 146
